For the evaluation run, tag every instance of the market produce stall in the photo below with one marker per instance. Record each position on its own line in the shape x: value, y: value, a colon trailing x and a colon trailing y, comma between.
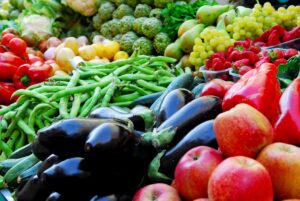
x: 128, y: 100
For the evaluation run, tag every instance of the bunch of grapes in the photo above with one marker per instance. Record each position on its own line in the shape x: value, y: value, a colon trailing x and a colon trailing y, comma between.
x: 211, y: 40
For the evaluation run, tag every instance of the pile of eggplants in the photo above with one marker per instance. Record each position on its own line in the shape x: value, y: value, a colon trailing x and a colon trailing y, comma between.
x: 107, y: 156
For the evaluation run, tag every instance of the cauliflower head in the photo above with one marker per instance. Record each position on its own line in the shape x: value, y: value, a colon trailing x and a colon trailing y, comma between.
x: 162, y: 3
x: 143, y: 45
x: 126, y: 24
x: 127, y: 40
x: 142, y: 10
x: 137, y: 25
x: 161, y: 41
x: 84, y: 7
x: 151, y: 27
x: 105, y: 11
x: 122, y: 11
x: 156, y: 12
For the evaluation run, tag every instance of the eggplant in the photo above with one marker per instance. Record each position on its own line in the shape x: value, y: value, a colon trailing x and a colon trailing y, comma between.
x: 34, y: 190
x: 202, y: 135
x: 68, y: 135
x: 55, y: 197
x: 172, y: 103
x: 194, y: 113
x: 67, y: 197
x: 39, y: 150
x: 68, y: 176
x: 47, y: 163
x: 112, y: 198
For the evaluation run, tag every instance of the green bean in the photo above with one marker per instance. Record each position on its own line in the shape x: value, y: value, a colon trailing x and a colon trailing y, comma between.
x: 88, y: 74
x: 188, y: 70
x: 39, y: 123
x: 35, y: 86
x: 31, y: 94
x: 144, y: 69
x: 94, y: 100
x: 164, y: 73
x: 13, y: 106
x: 9, y: 115
x: 127, y: 97
x: 60, y: 78
x: 5, y: 148
x: 20, y: 142
x: 84, y: 97
x: 122, y: 104
x: 12, y: 139
x: 150, y: 86
x: 120, y: 70
x: 51, y: 112
x: 3, y: 124
x: 163, y: 59
x: 46, y: 89
x: 47, y: 118
x: 138, y: 89
x: 166, y: 80
x: 34, y: 113
x: 132, y: 77
x: 75, y: 106
x: 108, y: 96
x: 127, y: 90
x: 26, y: 129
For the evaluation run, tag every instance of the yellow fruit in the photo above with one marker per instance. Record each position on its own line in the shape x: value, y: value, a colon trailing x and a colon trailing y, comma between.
x: 63, y: 58
x: 121, y: 55
x: 100, y: 50
x: 73, y: 44
x: 87, y: 52
x: 110, y: 49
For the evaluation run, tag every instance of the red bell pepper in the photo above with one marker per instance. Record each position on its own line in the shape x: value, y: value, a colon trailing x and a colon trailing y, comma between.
x: 287, y: 128
x: 28, y: 75
x: 8, y: 57
x: 258, y: 88
x: 216, y: 87
x: 6, y: 91
x: 7, y: 71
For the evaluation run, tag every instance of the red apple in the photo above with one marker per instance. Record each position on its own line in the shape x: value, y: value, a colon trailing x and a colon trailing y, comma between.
x: 283, y: 163
x: 193, y: 171
x: 243, y: 131
x: 292, y: 200
x: 202, y: 199
x: 157, y: 192
x: 240, y: 178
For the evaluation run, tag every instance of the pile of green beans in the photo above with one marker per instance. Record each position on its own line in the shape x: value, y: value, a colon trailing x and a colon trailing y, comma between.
x: 90, y: 86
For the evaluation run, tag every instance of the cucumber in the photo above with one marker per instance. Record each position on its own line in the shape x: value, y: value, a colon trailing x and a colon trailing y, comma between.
x: 183, y: 81
x: 147, y: 99
x: 197, y: 90
x: 23, y: 151
x: 5, y: 165
x: 10, y: 178
x: 27, y: 174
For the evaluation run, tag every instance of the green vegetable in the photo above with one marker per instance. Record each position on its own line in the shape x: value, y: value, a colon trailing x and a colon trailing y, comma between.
x: 118, y: 2
x: 126, y: 24
x: 156, y: 12
x: 85, y: 8
x: 143, y: 45
x: 161, y: 41
x: 148, y: 2
x: 142, y: 10
x: 289, y: 71
x: 132, y: 3
x: 127, y: 41
x: 151, y: 27
x: 117, y: 38
x: 137, y: 25
x: 114, y: 27
x: 105, y: 30
x: 175, y: 14
x: 105, y: 11
x: 97, y: 22
x: 162, y: 3
x: 122, y: 11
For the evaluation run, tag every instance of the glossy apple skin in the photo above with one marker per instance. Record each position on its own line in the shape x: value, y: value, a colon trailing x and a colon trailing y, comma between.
x: 243, y: 131
x: 283, y: 163
x: 202, y: 199
x: 240, y: 178
x: 194, y: 170
x: 157, y: 192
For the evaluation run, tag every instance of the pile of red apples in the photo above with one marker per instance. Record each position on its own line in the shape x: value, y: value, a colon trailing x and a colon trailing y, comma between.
x: 249, y: 165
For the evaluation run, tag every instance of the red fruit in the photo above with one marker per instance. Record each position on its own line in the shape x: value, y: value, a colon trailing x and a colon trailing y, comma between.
x: 2, y: 49
x: 263, y: 60
x: 235, y: 55
x: 274, y: 38
x: 290, y: 53
x: 244, y: 69
x: 208, y: 64
x: 277, y: 62
x: 260, y: 44
x: 220, y: 55
x: 279, y: 53
x: 229, y: 50
x: 9, y: 30
x: 228, y: 64
x: 240, y: 63
x: 255, y: 49
x: 17, y: 46
x: 217, y: 64
x: 253, y: 57
x: 202, y: 199
x: 7, y: 38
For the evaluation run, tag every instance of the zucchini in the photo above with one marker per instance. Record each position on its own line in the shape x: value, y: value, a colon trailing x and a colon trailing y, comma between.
x: 5, y: 165
x: 23, y: 151
x: 147, y: 100
x: 5, y: 195
x: 27, y: 174
x: 183, y: 81
x: 10, y: 178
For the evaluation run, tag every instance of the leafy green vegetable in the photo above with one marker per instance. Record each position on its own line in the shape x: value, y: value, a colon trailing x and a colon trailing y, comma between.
x: 175, y: 14
x: 8, y: 24
x: 288, y: 72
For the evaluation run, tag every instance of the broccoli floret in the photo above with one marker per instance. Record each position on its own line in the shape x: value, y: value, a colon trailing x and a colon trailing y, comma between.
x: 122, y: 11
x: 180, y: 3
x: 148, y: 2
x: 161, y: 41
x: 117, y: 38
x: 105, y: 11
x: 127, y: 41
x: 156, y: 12
x: 143, y: 45
x: 126, y: 23
x: 162, y: 3
x: 151, y: 27
x: 142, y: 10
x: 137, y: 25
x: 105, y: 30
x: 97, y: 22
x: 114, y: 26
x: 118, y: 2
x: 132, y: 3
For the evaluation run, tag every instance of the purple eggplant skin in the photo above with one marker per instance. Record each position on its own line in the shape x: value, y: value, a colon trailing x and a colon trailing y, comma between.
x: 55, y: 197
x: 109, y: 113
x: 39, y: 150
x: 33, y: 190
x: 112, y: 198
x: 47, y: 163
x: 67, y: 197
x: 69, y: 134
x: 172, y: 103
x: 191, y: 115
x: 202, y: 135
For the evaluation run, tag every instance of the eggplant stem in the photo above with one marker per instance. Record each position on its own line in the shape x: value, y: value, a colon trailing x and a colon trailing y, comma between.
x: 160, y: 139
x: 153, y: 170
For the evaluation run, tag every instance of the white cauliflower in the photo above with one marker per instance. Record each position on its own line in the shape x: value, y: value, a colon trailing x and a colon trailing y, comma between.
x: 84, y: 7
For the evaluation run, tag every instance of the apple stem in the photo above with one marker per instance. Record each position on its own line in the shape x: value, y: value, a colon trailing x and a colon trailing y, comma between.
x: 153, y: 171
x: 160, y: 139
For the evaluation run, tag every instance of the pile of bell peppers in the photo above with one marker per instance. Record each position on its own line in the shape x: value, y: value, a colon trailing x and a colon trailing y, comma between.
x: 18, y: 69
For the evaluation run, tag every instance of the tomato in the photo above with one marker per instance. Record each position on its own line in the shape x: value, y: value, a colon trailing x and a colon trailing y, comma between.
x: 2, y: 49
x: 17, y: 46
x: 7, y: 38
x: 9, y: 30
x: 34, y: 59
